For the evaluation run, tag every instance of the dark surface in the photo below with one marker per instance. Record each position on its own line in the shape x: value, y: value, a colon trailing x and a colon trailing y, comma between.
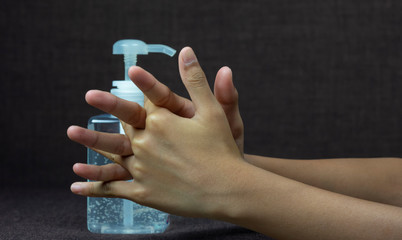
x: 58, y: 214
x: 317, y: 79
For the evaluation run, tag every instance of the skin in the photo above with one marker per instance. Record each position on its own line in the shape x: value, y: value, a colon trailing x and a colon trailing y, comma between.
x: 200, y: 170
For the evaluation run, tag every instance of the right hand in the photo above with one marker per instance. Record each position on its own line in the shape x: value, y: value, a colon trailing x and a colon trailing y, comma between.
x: 160, y: 95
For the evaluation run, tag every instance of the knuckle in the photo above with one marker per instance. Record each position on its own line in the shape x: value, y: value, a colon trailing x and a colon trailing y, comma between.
x: 138, y: 167
x: 164, y: 98
x: 109, y: 171
x: 94, y: 141
x: 137, y: 144
x: 141, y: 195
x: 141, y: 146
x: 156, y: 121
x: 196, y: 79
x: 102, y: 172
x: 106, y: 188
x: 218, y: 111
x: 138, y: 171
x: 91, y: 189
x: 215, y: 113
x: 118, y: 171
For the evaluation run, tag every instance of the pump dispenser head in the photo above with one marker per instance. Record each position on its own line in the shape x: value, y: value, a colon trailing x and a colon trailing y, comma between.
x: 130, y: 48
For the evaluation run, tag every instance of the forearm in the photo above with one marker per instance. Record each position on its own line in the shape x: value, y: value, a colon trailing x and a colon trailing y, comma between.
x: 374, y: 179
x: 286, y: 209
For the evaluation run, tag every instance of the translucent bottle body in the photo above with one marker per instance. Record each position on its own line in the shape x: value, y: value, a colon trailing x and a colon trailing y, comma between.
x: 115, y: 215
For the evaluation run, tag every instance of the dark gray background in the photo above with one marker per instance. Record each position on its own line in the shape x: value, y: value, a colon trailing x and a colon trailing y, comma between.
x: 317, y: 78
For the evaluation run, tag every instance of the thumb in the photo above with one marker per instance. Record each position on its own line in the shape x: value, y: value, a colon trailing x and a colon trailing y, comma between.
x: 195, y: 81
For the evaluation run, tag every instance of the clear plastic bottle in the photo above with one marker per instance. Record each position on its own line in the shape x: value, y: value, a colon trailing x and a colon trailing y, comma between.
x: 115, y: 215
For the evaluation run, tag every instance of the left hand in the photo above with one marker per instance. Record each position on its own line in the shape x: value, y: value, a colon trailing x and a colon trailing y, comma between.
x: 158, y: 93
x: 184, y: 166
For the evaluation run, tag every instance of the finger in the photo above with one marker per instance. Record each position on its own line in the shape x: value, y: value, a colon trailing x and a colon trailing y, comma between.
x: 106, y: 172
x: 228, y: 97
x: 130, y: 112
x: 112, y: 157
x: 108, y: 142
x: 128, y: 130
x: 112, y: 189
x: 150, y: 107
x: 195, y: 81
x: 159, y: 94
x: 224, y: 90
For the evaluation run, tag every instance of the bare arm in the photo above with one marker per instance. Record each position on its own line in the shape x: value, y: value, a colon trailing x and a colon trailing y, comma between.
x: 199, y: 171
x: 285, y: 209
x: 374, y: 179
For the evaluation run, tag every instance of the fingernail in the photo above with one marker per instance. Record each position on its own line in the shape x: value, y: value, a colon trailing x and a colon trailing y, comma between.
x: 189, y: 56
x: 77, y: 188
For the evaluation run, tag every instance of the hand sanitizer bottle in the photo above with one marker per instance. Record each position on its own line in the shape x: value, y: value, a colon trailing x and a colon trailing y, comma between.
x: 114, y: 215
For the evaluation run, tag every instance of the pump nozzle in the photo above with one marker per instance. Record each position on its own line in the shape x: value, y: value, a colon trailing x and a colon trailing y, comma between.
x: 159, y: 48
x: 130, y: 48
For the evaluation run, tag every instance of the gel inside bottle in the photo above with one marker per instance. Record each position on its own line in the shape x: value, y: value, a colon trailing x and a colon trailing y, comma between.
x: 115, y: 215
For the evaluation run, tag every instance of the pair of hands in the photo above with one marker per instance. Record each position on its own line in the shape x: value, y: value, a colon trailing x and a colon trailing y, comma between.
x: 183, y: 155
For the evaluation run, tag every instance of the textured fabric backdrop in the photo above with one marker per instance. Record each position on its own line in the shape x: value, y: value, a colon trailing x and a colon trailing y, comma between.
x: 317, y: 78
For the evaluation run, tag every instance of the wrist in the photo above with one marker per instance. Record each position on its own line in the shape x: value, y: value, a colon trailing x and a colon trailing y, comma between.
x: 230, y: 203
